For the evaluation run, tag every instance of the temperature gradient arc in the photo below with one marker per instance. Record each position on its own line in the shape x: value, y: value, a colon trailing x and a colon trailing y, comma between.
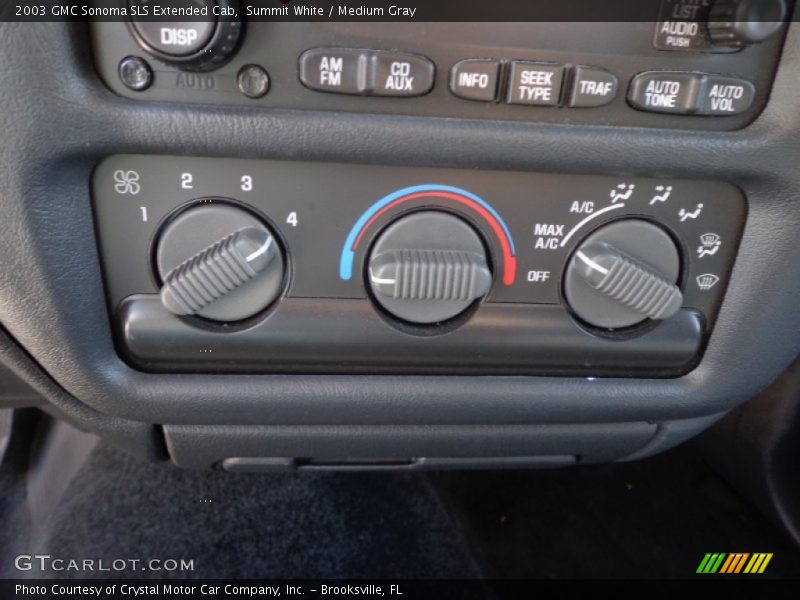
x: 442, y: 192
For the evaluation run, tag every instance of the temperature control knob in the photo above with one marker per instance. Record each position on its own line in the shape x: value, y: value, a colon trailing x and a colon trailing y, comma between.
x: 428, y: 267
x: 623, y: 274
x: 220, y: 262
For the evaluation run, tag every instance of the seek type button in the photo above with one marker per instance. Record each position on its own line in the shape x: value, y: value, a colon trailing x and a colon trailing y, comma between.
x: 666, y: 92
x: 592, y: 87
x: 475, y: 79
x: 535, y: 84
x: 725, y: 96
x: 401, y: 74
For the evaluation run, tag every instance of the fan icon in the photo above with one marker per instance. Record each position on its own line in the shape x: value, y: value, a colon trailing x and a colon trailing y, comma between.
x: 126, y: 182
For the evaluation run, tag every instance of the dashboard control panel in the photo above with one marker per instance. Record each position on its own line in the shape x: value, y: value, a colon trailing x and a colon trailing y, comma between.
x: 227, y: 265
x: 608, y: 73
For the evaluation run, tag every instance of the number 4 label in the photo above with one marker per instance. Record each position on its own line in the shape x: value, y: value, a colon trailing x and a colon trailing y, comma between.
x: 292, y: 219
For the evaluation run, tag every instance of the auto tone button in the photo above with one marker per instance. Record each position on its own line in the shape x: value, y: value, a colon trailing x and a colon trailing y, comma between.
x: 665, y: 92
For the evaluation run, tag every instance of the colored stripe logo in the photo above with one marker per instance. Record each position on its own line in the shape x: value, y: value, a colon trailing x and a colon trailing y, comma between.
x: 734, y: 563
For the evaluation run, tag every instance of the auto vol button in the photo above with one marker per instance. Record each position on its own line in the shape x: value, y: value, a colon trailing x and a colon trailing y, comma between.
x: 723, y: 95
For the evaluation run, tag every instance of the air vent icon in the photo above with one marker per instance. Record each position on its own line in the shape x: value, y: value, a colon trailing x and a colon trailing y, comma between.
x: 709, y: 245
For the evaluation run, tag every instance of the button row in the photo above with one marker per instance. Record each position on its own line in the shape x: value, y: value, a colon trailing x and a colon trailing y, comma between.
x: 529, y: 83
x: 366, y: 72
x: 687, y: 93
x: 532, y: 83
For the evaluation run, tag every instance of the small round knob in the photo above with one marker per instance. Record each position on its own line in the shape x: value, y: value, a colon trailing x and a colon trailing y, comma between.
x: 623, y: 274
x: 740, y: 23
x: 192, y: 45
x: 219, y: 262
x: 428, y: 267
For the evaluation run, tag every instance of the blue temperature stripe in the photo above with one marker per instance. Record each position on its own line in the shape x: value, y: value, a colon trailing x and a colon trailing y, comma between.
x: 348, y: 256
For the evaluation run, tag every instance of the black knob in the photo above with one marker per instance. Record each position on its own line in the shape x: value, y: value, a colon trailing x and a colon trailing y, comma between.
x: 623, y: 274
x: 201, y: 43
x: 740, y: 23
x: 219, y: 262
x: 428, y: 267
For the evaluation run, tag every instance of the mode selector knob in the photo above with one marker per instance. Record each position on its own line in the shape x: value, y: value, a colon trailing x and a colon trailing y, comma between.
x: 428, y: 267
x: 623, y: 274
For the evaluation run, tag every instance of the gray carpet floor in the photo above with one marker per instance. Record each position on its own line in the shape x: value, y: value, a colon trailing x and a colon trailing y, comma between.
x: 653, y: 518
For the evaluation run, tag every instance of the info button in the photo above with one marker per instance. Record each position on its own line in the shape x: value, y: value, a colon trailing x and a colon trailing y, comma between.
x: 666, y: 92
x: 475, y: 79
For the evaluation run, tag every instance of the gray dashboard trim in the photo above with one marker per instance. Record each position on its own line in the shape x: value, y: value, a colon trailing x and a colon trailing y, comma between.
x: 59, y: 122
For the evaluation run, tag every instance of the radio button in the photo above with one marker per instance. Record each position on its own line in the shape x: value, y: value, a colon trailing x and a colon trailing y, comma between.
x: 665, y: 92
x: 175, y: 38
x: 397, y: 74
x: 336, y: 70
x: 475, y: 79
x: 723, y: 95
x: 592, y: 87
x: 535, y: 84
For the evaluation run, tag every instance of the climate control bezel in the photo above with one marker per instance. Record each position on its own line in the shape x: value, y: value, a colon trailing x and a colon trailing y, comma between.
x: 327, y: 216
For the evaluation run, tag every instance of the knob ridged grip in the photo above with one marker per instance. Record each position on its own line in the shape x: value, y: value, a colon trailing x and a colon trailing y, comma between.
x: 741, y: 23
x: 430, y: 275
x: 428, y: 267
x: 217, y: 270
x: 629, y: 282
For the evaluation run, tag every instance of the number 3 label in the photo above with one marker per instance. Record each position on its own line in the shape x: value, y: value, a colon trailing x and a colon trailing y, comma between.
x: 247, y: 183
